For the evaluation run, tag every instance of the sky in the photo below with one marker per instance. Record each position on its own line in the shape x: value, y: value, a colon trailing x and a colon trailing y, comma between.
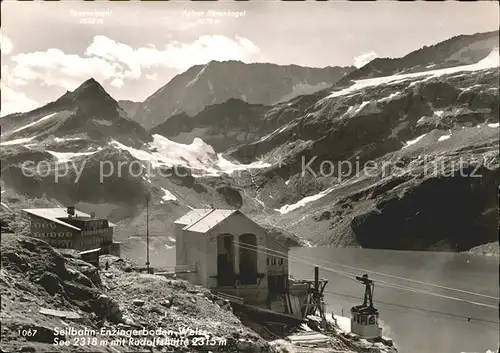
x: 134, y: 48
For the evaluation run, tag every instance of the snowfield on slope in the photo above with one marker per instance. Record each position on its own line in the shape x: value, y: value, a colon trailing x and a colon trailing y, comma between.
x: 490, y: 62
x: 63, y: 157
x: 415, y: 140
x: 35, y: 122
x: 197, y: 156
x: 308, y: 199
x: 17, y: 141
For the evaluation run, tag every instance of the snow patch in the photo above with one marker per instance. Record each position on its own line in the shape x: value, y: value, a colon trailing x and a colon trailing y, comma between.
x: 344, y: 323
x: 57, y: 139
x: 168, y: 195
x: 287, y: 182
x: 288, y: 208
x: 171, y: 239
x: 390, y: 96
x: 16, y: 141
x: 260, y: 202
x: 275, y: 132
x: 63, y: 157
x: 471, y: 87
x: 198, y: 156
x: 103, y: 122
x: 493, y: 125
x: 491, y: 61
x: 35, y: 122
x: 197, y: 77
x: 229, y: 167
x: 7, y: 207
x: 411, y: 142
x: 444, y: 137
x: 439, y: 113
x: 361, y: 106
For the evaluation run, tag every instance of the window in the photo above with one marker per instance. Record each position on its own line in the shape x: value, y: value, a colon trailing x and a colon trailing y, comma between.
x: 281, y: 261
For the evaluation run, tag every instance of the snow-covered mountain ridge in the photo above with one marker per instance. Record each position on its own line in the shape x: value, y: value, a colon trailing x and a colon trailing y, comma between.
x: 252, y: 156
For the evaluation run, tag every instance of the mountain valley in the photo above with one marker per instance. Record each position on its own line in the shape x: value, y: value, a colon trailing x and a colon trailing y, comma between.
x: 398, y: 154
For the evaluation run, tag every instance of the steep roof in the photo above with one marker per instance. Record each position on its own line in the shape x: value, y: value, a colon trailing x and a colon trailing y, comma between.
x: 193, y: 216
x: 202, y: 220
x: 53, y: 215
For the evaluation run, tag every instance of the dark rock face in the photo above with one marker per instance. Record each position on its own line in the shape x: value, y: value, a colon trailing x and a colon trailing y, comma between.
x: 457, y: 211
x: 217, y: 82
x: 232, y: 196
x: 222, y: 126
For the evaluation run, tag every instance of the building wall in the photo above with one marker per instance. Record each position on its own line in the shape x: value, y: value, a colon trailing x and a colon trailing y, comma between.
x: 200, y: 250
x: 278, y: 261
x: 195, y: 245
x: 180, y: 246
x: 59, y: 236
x: 237, y: 225
x: 94, y: 238
x: 54, y: 234
x: 115, y: 249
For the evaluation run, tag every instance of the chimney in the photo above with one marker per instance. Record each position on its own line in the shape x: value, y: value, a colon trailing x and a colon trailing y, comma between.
x: 71, y: 211
x: 92, y: 214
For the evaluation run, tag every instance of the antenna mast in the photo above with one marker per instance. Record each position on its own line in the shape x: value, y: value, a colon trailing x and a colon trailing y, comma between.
x: 147, y: 232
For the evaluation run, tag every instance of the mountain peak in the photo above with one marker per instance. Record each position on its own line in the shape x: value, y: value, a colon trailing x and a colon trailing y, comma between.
x: 91, y: 83
x: 88, y: 90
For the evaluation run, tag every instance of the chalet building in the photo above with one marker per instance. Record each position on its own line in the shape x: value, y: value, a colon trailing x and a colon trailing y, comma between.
x: 227, y: 252
x: 69, y: 229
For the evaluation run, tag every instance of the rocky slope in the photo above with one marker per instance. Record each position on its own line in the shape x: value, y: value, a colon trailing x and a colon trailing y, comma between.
x: 53, y: 297
x: 404, y: 127
x: 34, y: 277
x: 217, y: 82
x: 490, y: 249
x: 222, y: 126
x: 129, y: 107
x: 394, y: 130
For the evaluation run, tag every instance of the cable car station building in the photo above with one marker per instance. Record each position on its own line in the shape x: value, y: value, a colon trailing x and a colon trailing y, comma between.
x: 225, y: 251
